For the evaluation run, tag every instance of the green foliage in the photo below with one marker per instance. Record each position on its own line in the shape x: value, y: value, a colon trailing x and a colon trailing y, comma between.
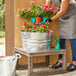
x: 41, y: 28
x: 2, y: 2
x: 2, y: 34
x: 36, y: 11
x: 2, y: 15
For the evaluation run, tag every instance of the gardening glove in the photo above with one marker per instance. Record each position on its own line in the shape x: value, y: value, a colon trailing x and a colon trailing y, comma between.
x: 33, y: 20
x: 43, y: 22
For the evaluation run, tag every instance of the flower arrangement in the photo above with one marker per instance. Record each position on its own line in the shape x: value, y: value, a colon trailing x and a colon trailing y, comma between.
x: 41, y: 28
x: 40, y: 35
x: 41, y: 10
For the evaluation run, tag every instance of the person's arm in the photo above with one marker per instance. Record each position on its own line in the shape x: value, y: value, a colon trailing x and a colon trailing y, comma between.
x: 49, y: 3
x: 63, y: 8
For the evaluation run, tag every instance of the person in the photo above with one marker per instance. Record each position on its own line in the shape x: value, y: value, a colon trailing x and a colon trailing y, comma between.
x: 67, y: 28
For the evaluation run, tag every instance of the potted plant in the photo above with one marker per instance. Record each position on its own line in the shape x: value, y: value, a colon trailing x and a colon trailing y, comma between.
x: 37, y: 12
x: 36, y: 38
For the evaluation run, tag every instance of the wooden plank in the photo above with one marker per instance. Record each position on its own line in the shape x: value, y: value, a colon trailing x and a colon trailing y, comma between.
x: 9, y: 26
x: 69, y: 51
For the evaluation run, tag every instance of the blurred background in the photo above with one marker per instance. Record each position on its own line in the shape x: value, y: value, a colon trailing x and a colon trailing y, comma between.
x: 2, y: 27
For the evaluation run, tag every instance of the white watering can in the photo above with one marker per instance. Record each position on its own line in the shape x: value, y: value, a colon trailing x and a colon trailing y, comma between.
x: 8, y: 65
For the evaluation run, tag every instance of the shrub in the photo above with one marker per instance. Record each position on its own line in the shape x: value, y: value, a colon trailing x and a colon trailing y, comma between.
x: 2, y: 15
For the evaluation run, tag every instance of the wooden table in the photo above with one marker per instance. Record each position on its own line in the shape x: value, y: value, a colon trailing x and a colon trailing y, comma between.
x: 31, y: 54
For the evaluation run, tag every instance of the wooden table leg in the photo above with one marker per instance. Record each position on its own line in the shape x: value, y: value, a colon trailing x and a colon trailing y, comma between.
x: 47, y: 60
x: 65, y: 61
x: 30, y: 65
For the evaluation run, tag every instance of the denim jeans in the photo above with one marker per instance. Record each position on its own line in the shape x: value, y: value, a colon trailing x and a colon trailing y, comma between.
x: 73, y: 47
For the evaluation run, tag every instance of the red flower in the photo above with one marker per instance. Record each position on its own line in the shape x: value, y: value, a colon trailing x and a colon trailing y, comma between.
x: 25, y: 27
x: 37, y: 28
x: 24, y: 22
x: 28, y: 27
x: 54, y: 12
x: 43, y: 26
x: 34, y: 27
x: 27, y: 12
x: 48, y: 31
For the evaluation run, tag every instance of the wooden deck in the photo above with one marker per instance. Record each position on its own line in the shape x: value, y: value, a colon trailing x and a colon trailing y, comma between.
x: 24, y: 73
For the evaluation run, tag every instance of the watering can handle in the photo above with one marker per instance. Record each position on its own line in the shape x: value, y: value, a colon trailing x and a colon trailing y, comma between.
x: 18, y: 55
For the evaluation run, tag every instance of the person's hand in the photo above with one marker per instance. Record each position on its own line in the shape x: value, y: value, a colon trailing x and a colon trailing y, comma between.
x: 49, y: 20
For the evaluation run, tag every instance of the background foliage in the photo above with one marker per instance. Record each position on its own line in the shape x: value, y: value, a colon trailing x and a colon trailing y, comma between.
x: 2, y: 14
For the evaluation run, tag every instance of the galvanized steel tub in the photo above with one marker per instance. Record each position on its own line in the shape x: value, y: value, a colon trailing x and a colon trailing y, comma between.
x: 36, y: 41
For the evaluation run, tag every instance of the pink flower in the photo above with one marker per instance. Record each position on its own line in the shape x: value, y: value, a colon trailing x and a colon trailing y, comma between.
x: 46, y: 23
x: 23, y: 9
x: 54, y: 12
x: 27, y: 12
x: 36, y: 5
x: 18, y: 16
x: 31, y: 3
x: 49, y: 9
x: 35, y: 14
x: 52, y: 8
x: 45, y: 8
x: 42, y: 5
x: 18, y: 10
x: 26, y: 8
x: 24, y: 22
